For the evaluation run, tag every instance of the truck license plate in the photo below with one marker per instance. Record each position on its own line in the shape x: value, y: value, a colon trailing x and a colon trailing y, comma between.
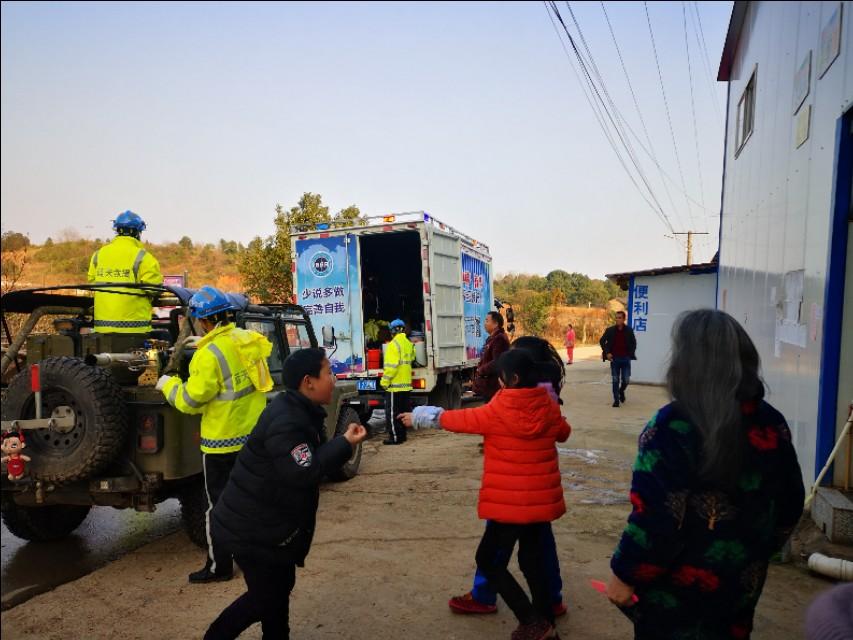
x: 367, y: 385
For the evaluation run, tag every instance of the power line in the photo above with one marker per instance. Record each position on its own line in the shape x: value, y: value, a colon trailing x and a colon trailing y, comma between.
x: 651, y: 150
x: 629, y: 148
x: 671, y: 180
x: 615, y: 123
x: 693, y: 104
x: 596, y: 110
x: 709, y: 70
x: 666, y: 105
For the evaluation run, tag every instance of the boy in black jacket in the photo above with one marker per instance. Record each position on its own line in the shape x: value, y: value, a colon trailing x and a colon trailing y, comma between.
x: 267, y: 513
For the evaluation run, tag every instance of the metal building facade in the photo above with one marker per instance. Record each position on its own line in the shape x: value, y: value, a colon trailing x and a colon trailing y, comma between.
x: 785, y: 212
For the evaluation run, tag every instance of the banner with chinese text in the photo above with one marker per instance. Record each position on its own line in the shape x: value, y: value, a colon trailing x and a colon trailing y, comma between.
x: 477, y: 302
x: 328, y: 286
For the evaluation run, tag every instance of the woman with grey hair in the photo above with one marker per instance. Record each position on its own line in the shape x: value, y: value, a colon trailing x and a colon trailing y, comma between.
x: 716, y: 490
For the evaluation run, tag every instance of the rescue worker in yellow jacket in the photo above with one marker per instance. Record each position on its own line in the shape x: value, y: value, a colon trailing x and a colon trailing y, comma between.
x: 397, y: 381
x: 229, y: 376
x: 124, y: 260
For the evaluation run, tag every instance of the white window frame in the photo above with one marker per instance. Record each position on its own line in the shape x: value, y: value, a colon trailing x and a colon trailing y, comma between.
x: 745, y: 121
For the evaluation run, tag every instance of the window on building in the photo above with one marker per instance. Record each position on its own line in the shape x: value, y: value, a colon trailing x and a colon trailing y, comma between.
x: 745, y: 114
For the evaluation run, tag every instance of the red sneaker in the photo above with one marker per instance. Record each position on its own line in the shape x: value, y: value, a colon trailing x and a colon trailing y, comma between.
x: 467, y: 604
x: 560, y: 609
x: 540, y: 630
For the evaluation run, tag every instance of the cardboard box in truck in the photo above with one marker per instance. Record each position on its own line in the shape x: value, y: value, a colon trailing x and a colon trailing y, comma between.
x: 408, y: 266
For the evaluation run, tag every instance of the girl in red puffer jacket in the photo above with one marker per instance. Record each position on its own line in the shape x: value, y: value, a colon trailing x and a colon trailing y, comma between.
x: 521, y: 491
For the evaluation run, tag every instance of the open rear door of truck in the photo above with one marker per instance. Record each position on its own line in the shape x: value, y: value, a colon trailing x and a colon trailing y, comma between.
x: 328, y: 286
x: 448, y: 331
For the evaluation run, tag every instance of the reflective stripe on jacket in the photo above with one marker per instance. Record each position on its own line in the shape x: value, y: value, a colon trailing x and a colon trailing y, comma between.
x: 124, y: 260
x: 221, y: 387
x: 399, y: 356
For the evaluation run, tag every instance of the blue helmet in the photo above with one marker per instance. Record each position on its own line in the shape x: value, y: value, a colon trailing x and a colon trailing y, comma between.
x: 209, y: 301
x: 128, y: 220
x: 397, y: 325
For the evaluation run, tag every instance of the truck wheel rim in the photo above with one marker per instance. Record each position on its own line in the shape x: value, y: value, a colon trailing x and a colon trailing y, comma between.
x: 56, y: 443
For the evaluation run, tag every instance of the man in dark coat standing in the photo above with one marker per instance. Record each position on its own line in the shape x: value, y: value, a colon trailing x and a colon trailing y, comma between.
x: 486, y: 377
x: 267, y: 512
x: 619, y: 346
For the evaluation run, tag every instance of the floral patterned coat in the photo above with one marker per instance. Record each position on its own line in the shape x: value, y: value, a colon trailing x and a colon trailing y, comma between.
x: 696, y: 554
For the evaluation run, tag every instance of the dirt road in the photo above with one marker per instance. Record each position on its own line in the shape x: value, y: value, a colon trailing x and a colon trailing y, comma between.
x: 396, y: 542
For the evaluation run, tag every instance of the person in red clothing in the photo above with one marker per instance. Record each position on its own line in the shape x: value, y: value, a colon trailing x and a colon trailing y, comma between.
x: 619, y: 347
x: 486, y: 376
x: 570, y: 344
x: 482, y: 599
x: 521, y: 491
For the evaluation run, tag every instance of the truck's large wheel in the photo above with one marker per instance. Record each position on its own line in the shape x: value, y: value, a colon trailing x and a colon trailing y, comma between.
x: 347, y: 416
x: 193, y: 499
x: 40, y: 524
x: 447, y: 396
x: 100, y: 419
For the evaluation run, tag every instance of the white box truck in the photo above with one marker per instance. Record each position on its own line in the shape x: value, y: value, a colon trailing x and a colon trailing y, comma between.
x: 408, y: 266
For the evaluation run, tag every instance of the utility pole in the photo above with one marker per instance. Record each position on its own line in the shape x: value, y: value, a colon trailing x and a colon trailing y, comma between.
x: 690, y: 235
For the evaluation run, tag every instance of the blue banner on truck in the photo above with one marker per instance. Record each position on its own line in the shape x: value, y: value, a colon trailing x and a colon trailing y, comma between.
x: 328, y: 286
x: 477, y: 302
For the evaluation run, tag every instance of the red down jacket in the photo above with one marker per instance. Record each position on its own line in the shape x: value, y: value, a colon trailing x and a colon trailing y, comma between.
x: 521, y: 473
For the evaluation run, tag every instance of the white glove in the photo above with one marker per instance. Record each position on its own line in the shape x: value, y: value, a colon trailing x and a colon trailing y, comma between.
x: 162, y: 382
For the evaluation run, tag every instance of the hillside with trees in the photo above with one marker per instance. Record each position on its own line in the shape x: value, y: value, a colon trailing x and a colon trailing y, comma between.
x: 544, y: 305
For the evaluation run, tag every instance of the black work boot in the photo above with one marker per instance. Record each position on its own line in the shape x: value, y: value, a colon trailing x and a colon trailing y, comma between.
x: 206, y: 575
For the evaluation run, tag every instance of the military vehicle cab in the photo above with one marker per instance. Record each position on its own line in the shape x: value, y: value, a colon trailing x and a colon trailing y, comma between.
x: 97, y: 431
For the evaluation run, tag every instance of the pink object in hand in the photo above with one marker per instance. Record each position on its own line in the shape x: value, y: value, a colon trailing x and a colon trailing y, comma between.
x: 599, y: 586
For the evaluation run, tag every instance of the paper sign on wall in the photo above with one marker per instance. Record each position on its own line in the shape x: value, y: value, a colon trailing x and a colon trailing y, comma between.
x: 830, y: 41
x: 803, y: 120
x: 801, y: 81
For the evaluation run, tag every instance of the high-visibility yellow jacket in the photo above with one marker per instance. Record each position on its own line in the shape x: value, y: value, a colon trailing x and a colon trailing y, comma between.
x: 123, y: 260
x: 228, y: 377
x: 399, y: 356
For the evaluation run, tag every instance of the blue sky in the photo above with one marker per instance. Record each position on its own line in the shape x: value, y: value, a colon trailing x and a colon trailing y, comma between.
x: 202, y: 116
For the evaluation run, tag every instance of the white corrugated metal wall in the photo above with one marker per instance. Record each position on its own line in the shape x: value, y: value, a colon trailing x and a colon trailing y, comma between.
x: 777, y: 201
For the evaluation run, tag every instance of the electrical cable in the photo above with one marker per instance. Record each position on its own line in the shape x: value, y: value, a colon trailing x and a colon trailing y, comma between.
x: 709, y: 70
x: 601, y: 122
x: 651, y: 150
x: 616, y: 126
x: 666, y: 106
x: 693, y: 104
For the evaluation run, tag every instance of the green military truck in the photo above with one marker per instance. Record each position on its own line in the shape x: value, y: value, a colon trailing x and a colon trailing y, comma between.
x: 96, y: 429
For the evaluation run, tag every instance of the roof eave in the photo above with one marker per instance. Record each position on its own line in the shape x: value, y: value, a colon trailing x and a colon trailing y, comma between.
x: 724, y: 73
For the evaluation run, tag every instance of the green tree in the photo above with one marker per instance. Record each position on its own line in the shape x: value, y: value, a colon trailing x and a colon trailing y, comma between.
x: 229, y: 247
x: 309, y: 211
x: 186, y: 243
x: 349, y: 217
x: 265, y: 265
x: 13, y: 241
x: 533, y: 310
x: 48, y: 242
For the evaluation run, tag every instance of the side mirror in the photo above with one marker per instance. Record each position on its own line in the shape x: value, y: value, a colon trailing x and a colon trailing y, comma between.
x: 510, y: 315
x: 329, y: 340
